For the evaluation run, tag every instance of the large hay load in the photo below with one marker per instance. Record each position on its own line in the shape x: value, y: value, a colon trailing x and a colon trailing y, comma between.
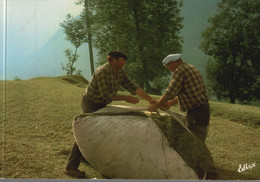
x: 128, y: 143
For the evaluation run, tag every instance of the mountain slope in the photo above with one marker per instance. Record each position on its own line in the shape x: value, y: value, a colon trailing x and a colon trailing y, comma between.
x: 47, y: 61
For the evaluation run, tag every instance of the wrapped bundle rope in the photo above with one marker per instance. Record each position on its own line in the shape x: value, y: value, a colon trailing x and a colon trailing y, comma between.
x: 131, y: 143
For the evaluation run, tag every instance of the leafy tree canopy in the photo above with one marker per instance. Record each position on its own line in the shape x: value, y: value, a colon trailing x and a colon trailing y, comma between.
x: 146, y: 31
x: 232, y: 40
x: 74, y: 30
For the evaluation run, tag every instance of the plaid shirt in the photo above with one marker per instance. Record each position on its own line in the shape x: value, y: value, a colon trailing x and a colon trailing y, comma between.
x: 104, y: 84
x: 188, y: 85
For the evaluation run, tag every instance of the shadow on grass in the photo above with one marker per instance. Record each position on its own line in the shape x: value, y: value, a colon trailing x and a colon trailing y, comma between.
x: 64, y: 152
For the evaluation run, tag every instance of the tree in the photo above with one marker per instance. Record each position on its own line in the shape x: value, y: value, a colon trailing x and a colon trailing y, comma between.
x: 145, y: 30
x: 232, y: 41
x: 75, y: 33
x: 70, y: 65
x: 86, y: 17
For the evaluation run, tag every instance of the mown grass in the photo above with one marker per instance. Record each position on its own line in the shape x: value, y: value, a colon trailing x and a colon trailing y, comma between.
x: 36, y: 135
x: 2, y: 103
x: 244, y: 114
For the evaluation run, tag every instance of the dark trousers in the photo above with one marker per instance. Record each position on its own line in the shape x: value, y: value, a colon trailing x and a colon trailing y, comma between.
x: 75, y: 154
x: 198, y: 121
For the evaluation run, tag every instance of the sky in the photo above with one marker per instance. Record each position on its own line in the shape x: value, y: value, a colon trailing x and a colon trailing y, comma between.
x: 30, y: 21
x: 1, y: 39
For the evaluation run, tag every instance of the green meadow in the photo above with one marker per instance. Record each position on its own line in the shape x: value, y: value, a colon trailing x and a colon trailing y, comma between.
x: 36, y: 130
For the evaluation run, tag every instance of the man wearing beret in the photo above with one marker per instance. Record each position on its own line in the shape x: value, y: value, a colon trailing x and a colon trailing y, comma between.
x: 102, y: 90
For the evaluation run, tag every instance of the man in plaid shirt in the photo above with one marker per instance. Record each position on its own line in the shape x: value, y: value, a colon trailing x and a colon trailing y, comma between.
x: 102, y: 90
x: 187, y: 88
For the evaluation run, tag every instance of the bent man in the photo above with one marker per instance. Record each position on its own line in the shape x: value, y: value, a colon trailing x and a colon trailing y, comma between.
x: 187, y: 88
x: 102, y: 90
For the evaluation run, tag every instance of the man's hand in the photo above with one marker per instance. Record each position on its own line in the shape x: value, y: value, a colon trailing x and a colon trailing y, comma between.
x: 168, y: 104
x: 153, y: 107
x: 131, y: 99
x: 145, y: 96
x: 153, y: 101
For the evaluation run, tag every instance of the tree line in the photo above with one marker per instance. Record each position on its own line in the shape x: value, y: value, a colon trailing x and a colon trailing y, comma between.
x: 148, y: 30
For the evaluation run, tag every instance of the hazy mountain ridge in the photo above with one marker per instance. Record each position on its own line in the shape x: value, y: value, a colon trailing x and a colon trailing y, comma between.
x: 47, y: 61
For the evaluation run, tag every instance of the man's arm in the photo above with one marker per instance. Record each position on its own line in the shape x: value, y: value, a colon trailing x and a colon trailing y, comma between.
x: 171, y: 92
x: 134, y: 89
x: 141, y: 93
x: 168, y: 104
x: 163, y: 103
x: 126, y: 98
x: 159, y: 104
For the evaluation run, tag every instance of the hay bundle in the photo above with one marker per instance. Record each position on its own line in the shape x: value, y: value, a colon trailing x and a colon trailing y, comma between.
x: 127, y: 143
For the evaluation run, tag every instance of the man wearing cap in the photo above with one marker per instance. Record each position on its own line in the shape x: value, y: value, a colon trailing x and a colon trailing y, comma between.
x: 102, y: 90
x: 187, y: 88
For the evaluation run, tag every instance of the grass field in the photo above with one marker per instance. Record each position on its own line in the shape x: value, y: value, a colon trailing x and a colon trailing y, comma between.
x: 36, y: 132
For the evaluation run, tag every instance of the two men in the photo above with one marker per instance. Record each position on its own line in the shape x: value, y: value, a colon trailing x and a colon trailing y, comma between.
x: 186, y: 87
x: 102, y: 90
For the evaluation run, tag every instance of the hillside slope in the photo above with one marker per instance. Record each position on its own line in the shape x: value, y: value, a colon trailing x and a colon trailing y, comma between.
x: 37, y: 128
